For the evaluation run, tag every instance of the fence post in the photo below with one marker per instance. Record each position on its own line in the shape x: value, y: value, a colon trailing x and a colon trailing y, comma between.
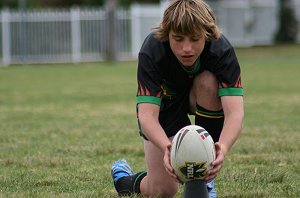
x: 76, y: 36
x: 5, y: 20
x: 135, y: 29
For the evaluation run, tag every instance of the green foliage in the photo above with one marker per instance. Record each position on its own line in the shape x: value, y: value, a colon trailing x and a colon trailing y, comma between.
x: 8, y: 3
x: 62, y: 126
x: 127, y: 3
x: 51, y: 3
x: 68, y: 3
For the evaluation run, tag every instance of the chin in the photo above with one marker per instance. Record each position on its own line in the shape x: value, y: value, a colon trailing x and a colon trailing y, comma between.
x: 188, y: 64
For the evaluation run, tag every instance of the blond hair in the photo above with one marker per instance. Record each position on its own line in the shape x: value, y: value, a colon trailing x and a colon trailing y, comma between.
x: 188, y: 17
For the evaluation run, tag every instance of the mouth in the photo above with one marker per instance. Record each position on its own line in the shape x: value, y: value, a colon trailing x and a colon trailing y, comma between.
x: 187, y: 56
x: 187, y: 60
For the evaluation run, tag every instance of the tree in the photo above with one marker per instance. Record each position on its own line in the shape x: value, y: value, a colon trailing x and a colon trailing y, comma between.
x: 111, y: 33
x: 127, y: 3
x: 68, y: 3
x: 288, y: 26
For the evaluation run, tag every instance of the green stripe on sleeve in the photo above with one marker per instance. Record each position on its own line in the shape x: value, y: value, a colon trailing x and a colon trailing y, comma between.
x: 148, y: 99
x: 231, y: 92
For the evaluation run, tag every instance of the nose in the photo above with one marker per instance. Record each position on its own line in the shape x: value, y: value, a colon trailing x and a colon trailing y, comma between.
x: 187, y: 46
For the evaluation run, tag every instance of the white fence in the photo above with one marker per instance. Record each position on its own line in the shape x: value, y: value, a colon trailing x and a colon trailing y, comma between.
x: 247, y: 23
x: 60, y: 35
x: 81, y: 35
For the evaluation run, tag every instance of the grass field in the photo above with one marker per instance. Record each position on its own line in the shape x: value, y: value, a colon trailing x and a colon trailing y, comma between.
x: 62, y: 126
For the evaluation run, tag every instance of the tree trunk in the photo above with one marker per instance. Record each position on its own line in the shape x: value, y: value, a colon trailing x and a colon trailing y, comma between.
x: 111, y: 53
x: 288, y: 24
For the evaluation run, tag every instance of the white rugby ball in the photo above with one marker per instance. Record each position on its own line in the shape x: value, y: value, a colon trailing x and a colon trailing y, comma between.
x: 192, y: 153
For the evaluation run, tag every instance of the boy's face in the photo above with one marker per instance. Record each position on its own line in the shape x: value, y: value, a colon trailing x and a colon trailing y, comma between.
x: 187, y: 48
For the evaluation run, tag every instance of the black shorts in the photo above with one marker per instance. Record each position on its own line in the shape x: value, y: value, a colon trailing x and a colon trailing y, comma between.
x: 173, y: 115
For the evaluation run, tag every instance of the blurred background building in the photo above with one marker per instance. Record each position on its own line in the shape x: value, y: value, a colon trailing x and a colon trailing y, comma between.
x: 52, y: 31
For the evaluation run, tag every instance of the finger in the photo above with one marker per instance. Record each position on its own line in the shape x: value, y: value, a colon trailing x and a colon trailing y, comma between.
x: 171, y: 172
x: 211, y: 177
x: 173, y: 176
x: 216, y: 168
x: 218, y: 162
x: 167, y: 165
x: 212, y: 173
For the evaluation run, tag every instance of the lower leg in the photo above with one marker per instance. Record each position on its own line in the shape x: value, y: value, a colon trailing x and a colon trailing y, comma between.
x: 157, y: 182
x: 125, y: 181
x: 211, y: 121
x: 206, y: 104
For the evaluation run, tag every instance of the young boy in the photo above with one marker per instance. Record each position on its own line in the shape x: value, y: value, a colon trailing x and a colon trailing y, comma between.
x: 185, y: 66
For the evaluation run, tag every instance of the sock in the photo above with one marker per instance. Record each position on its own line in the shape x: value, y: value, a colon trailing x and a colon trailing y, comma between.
x: 211, y: 121
x: 195, y: 189
x: 128, y: 185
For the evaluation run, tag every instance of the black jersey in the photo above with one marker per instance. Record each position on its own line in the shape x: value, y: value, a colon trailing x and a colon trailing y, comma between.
x: 164, y: 81
x: 162, y: 77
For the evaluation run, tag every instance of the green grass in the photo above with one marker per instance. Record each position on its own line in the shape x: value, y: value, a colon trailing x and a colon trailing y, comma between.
x: 61, y: 127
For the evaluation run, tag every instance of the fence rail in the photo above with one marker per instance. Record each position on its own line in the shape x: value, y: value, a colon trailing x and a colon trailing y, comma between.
x: 81, y: 35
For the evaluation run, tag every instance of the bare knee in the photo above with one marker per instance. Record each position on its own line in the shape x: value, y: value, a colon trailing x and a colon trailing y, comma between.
x: 166, y: 191
x: 204, y: 92
x: 207, y: 81
x: 160, y: 188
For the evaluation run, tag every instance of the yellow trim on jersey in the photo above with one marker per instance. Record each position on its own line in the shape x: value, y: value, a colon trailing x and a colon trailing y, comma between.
x: 209, y: 116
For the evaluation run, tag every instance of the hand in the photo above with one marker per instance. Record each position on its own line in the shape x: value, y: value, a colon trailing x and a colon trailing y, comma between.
x: 167, y: 164
x: 217, y: 164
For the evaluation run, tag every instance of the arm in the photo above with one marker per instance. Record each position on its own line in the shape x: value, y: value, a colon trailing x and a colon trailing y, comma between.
x: 148, y: 117
x: 234, y: 114
x: 233, y: 123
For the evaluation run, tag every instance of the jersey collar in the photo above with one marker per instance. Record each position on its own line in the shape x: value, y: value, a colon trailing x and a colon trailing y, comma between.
x: 194, y: 69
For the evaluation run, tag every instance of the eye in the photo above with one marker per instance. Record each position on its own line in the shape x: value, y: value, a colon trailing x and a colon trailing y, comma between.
x: 178, y: 38
x: 195, y: 38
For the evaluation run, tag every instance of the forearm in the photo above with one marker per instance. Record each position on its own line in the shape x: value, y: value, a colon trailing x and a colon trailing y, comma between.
x: 231, y: 131
x: 233, y: 123
x: 154, y: 132
x: 148, y: 117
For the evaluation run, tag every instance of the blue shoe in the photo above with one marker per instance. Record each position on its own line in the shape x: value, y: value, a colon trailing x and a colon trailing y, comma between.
x: 212, y: 192
x: 120, y: 169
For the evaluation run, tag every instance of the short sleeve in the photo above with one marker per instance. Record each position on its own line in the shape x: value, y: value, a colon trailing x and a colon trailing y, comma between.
x: 229, y: 75
x: 222, y: 61
x: 149, y: 81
